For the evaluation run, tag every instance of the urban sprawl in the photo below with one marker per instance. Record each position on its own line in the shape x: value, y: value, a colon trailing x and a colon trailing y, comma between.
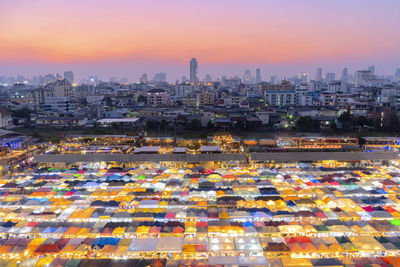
x: 295, y: 172
x: 362, y: 101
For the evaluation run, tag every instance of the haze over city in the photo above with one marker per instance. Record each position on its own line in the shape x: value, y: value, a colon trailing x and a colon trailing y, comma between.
x: 128, y: 38
x: 166, y: 133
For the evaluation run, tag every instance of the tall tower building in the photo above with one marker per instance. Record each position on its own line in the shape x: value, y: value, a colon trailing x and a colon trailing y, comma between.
x: 330, y: 76
x: 397, y: 74
x: 343, y: 84
x: 194, y: 65
x: 247, y: 77
x: 344, y: 75
x: 372, y: 69
x: 363, y: 77
x: 318, y: 76
x: 303, y: 77
x: 144, y: 78
x: 69, y: 76
x: 258, y: 75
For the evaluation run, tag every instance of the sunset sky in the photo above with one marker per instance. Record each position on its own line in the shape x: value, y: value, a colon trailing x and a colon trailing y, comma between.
x: 128, y: 37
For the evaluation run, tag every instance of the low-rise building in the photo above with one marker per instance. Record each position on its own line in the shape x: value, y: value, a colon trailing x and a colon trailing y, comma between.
x: 280, y: 98
x: 199, y: 99
x: 6, y: 120
x: 158, y: 97
x: 60, y: 122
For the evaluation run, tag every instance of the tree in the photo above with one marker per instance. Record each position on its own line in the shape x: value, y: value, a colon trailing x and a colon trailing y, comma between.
x: 83, y: 102
x: 390, y: 120
x: 333, y: 126
x: 142, y: 99
x: 195, y: 125
x: 307, y: 124
x: 241, y: 125
x: 23, y: 113
x: 362, y: 121
x: 151, y: 124
x: 115, y: 126
x: 346, y: 120
x: 163, y: 126
x: 108, y: 101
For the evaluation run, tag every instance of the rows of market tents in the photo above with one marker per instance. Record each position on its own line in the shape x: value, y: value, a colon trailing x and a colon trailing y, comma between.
x: 241, y: 214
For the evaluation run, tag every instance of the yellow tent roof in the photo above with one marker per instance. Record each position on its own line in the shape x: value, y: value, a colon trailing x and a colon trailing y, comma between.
x: 43, y: 262
x: 367, y: 243
x: 291, y: 228
x: 322, y: 248
x: 118, y: 231
x: 37, y: 241
x: 142, y: 229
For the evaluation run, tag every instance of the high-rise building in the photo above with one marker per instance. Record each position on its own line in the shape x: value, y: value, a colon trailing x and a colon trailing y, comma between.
x: 363, y: 77
x: 60, y: 88
x: 318, y: 76
x: 144, y: 79
x: 20, y: 79
x: 160, y: 77
x: 258, y: 75
x: 303, y: 77
x: 372, y: 69
x: 208, y: 78
x: 93, y: 80
x: 247, y: 77
x: 329, y: 77
x: 194, y: 65
x: 344, y: 75
x: 69, y: 76
x: 343, y: 86
x: 123, y: 80
x: 397, y: 74
x: 273, y: 79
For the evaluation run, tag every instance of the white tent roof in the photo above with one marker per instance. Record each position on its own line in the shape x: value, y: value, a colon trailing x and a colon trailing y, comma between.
x: 196, y: 240
x: 148, y: 203
x: 143, y: 244
x: 251, y: 261
x: 169, y: 244
x: 223, y: 260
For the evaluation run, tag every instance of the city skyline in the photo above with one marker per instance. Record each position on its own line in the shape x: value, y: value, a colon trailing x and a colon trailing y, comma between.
x: 134, y: 37
x: 186, y: 70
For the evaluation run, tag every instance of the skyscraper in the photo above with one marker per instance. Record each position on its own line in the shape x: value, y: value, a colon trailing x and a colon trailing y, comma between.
x: 343, y: 84
x: 344, y: 75
x: 363, y: 77
x: 397, y: 74
x: 372, y: 69
x: 303, y: 77
x: 329, y: 77
x: 247, y: 77
x: 318, y: 76
x: 69, y: 76
x: 194, y: 65
x: 160, y: 77
x: 208, y: 78
x: 258, y: 75
x: 273, y: 79
x: 144, y: 78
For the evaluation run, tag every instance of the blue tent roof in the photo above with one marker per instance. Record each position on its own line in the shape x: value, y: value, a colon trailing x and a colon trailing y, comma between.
x: 102, y: 241
x: 248, y: 224
x: 290, y: 203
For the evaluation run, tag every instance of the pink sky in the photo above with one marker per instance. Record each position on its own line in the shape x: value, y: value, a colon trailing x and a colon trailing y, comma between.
x: 106, y: 37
